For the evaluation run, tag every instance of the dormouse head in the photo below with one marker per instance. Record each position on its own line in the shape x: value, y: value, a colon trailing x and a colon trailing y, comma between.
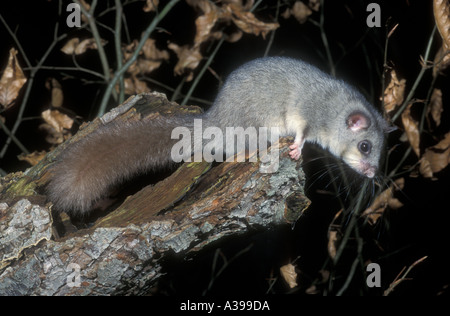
x: 365, y: 136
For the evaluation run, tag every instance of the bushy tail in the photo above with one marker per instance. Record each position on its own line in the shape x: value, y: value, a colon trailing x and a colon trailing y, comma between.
x: 86, y: 170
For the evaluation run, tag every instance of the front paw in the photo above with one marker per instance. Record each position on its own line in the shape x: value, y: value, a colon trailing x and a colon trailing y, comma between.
x: 295, y: 152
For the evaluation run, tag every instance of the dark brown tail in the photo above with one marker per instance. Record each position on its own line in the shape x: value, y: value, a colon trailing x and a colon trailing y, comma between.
x: 115, y: 152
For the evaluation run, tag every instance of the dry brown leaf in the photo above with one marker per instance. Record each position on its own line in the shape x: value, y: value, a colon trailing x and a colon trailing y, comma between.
x: 153, y: 57
x: 12, y: 81
x: 151, y: 52
x: 134, y: 86
x: 127, y: 52
x: 230, y: 11
x: 334, y: 235
x: 394, y: 203
x: 203, y: 5
x: 53, y: 137
x: 411, y: 129
x: 246, y: 5
x: 436, y: 157
x: 383, y: 200
x: 234, y: 37
x: 70, y: 46
x: 394, y: 94
x: 436, y: 107
x: 59, y: 121
x: 145, y: 66
x: 204, y: 25
x: 56, y: 90
x: 74, y: 46
x: 441, y: 60
x: 206, y: 22
x: 441, y: 10
x: 129, y: 86
x: 150, y: 59
x: 86, y: 44
x: 300, y: 11
x: 289, y: 275
x: 129, y: 49
x: 312, y: 290
x: 151, y: 5
x: 33, y: 158
x: 425, y: 169
x: 314, y: 5
x: 188, y: 58
x: 234, y: 11
x: 443, y: 144
x: 247, y: 22
x: 286, y: 14
x: 332, y: 243
x: 57, y: 125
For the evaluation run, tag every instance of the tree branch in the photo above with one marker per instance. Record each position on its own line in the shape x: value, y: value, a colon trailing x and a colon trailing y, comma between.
x: 122, y: 252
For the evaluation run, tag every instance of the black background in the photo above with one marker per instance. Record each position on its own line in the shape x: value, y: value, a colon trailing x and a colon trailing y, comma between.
x: 418, y: 229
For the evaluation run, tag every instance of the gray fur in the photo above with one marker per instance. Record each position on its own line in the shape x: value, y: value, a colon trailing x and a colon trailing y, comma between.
x: 269, y: 92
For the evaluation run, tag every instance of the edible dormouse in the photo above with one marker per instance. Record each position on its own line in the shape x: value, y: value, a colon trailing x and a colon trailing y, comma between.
x: 290, y: 94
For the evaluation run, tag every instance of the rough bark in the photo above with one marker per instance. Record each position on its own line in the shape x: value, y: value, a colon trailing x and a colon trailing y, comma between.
x: 121, y: 253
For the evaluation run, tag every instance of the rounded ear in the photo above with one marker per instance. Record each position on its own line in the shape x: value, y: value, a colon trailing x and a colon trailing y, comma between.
x: 357, y: 121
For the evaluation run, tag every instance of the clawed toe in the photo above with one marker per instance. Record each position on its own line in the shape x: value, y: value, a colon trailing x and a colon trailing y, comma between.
x: 296, y: 150
x: 295, y: 154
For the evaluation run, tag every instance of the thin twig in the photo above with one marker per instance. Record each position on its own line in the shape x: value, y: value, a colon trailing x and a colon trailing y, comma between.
x: 202, y: 71
x: 352, y: 271
x: 352, y: 224
x: 385, y: 66
x: 117, y: 45
x: 177, y: 91
x: 62, y: 68
x: 92, y: 23
x: 418, y: 79
x: 132, y: 59
x: 325, y: 39
x: 226, y: 264
x: 14, y: 138
x: 208, y: 62
x: 169, y: 88
x: 410, y: 96
x: 402, y: 276
x: 29, y: 85
x: 14, y: 37
x: 272, y: 35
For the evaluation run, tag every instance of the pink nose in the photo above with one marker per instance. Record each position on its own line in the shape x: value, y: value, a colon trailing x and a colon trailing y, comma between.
x: 367, y: 169
x: 370, y: 173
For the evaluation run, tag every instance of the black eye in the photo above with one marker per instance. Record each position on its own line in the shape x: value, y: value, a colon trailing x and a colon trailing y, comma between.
x: 365, y: 147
